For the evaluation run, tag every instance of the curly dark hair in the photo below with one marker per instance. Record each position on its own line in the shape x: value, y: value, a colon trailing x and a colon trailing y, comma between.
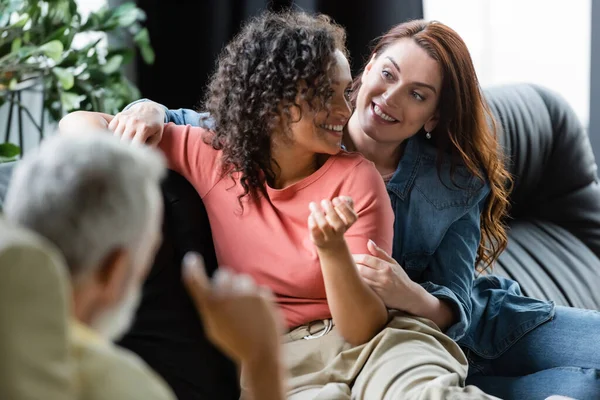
x: 276, y: 60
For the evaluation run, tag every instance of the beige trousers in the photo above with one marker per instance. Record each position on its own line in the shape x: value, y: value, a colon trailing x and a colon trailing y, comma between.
x: 409, y: 359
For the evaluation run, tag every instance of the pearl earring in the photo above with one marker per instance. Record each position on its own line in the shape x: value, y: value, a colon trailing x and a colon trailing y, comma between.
x: 428, y: 135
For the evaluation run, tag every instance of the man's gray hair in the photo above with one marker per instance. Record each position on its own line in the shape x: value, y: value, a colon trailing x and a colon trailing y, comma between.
x: 88, y: 194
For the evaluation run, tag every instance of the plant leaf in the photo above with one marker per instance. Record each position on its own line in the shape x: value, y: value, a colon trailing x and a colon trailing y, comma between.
x: 21, y: 21
x: 53, y: 49
x: 64, y: 34
x: 127, y: 54
x: 127, y: 14
x: 16, y: 45
x: 26, y: 51
x: 71, y: 101
x: 113, y: 64
x: 142, y: 39
x: 147, y: 54
x: 65, y: 77
x: 9, y: 150
x: 88, y: 79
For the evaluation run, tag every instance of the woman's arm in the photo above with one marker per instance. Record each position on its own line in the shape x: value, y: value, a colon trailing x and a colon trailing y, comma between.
x: 150, y: 112
x: 389, y: 280
x: 356, y: 310
x: 444, y: 296
x: 83, y: 121
x: 144, y: 120
x: 451, y: 271
x: 183, y: 146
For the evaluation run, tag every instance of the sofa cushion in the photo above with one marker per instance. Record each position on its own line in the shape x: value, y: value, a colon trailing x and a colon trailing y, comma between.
x: 554, y: 236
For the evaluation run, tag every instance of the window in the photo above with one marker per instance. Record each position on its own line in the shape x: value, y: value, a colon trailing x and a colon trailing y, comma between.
x: 546, y: 42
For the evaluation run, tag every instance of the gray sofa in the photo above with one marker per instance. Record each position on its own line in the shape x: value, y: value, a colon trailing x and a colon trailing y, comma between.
x: 554, y: 237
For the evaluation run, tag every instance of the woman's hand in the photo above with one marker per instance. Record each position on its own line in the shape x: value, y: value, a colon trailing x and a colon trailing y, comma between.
x: 142, y: 123
x: 328, y: 222
x: 386, y: 277
x: 389, y: 280
x: 356, y: 310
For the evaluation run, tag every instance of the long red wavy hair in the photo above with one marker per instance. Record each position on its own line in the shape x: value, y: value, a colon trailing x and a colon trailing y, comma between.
x: 466, y: 127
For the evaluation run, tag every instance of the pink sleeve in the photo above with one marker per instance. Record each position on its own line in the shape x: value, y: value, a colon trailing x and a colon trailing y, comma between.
x: 189, y: 155
x: 373, y: 206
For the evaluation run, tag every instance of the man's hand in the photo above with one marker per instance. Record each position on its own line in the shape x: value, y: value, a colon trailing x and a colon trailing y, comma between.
x: 142, y: 123
x: 328, y: 223
x: 239, y: 317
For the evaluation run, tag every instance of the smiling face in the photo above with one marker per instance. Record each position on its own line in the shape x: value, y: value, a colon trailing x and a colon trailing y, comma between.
x: 321, y: 132
x: 399, y: 93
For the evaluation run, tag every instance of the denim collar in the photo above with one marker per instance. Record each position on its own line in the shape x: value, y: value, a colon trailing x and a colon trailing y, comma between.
x: 404, y: 177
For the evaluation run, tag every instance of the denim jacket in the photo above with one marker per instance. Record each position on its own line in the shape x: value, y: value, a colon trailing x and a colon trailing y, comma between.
x: 436, y: 236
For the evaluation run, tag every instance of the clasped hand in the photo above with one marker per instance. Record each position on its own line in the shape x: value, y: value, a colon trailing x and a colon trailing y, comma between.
x: 329, y: 221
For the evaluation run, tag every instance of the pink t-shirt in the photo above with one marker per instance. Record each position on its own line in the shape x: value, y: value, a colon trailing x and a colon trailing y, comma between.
x: 269, y: 240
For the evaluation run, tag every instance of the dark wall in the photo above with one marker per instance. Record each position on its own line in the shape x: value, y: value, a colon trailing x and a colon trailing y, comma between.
x: 364, y: 24
x: 187, y: 37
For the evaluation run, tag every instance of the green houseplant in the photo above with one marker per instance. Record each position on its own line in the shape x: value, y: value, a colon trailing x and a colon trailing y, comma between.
x: 39, y: 46
x: 8, y: 152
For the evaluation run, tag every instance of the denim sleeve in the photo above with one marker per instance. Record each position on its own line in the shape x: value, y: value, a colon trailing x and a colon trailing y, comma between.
x: 182, y: 116
x: 451, y: 271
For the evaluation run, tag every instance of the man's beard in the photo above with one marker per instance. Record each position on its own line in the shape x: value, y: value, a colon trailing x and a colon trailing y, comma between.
x: 114, y: 323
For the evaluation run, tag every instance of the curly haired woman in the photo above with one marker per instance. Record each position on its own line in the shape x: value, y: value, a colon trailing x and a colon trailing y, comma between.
x: 279, y: 101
